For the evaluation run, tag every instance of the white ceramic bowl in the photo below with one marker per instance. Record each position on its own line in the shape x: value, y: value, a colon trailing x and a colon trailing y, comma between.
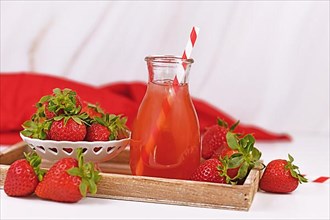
x: 97, y: 151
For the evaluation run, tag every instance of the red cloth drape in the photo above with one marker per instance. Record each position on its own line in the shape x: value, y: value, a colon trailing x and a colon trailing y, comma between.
x: 20, y: 92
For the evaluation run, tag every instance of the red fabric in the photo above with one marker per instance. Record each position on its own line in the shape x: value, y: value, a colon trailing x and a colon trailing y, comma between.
x: 20, y: 92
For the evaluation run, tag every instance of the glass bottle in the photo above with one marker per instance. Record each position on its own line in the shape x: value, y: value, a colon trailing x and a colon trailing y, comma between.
x: 165, y: 137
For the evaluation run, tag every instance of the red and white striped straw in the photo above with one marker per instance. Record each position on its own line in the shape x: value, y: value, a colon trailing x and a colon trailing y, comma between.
x: 191, y: 43
x: 167, y: 103
x: 187, y: 53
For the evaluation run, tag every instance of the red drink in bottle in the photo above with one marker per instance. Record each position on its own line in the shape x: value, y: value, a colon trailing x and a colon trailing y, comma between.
x: 165, y: 137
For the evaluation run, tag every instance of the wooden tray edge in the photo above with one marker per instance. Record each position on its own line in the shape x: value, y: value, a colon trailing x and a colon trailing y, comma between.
x: 158, y: 190
x: 172, y: 191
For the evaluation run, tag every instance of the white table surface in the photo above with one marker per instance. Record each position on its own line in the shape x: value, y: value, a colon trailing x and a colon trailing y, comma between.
x: 309, y: 201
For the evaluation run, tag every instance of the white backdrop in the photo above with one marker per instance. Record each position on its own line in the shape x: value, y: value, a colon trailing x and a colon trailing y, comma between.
x: 264, y: 62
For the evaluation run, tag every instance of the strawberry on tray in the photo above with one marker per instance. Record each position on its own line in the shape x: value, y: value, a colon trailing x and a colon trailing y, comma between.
x: 63, y: 122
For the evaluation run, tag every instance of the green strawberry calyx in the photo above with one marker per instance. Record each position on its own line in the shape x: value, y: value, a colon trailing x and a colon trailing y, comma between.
x: 223, y: 168
x: 80, y: 119
x: 96, y: 107
x: 35, y: 161
x: 115, y: 123
x: 89, y: 175
x: 224, y: 124
x: 294, y: 170
x: 61, y: 102
x: 245, y: 159
x: 36, y: 128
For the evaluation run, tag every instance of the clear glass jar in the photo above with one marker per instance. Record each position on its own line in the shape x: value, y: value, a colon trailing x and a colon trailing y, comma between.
x: 165, y: 136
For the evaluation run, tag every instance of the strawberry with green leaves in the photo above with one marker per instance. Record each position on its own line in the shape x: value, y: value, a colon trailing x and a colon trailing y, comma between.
x: 281, y: 176
x: 109, y: 127
x: 233, y: 165
x: 69, y: 180
x: 68, y: 128
x: 38, y: 129
x: 93, y: 110
x: 222, y: 152
x: 208, y: 172
x: 246, y: 158
x: 61, y: 102
x: 51, y: 109
x: 215, y: 138
x: 60, y: 117
x: 23, y: 176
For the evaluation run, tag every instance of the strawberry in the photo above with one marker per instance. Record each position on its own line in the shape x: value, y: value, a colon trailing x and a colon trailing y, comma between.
x: 214, y: 170
x: 23, y: 176
x: 68, y: 180
x: 281, y: 176
x: 209, y: 172
x: 233, y: 163
x: 93, y: 110
x: 64, y: 101
x: 67, y: 129
x: 215, y: 138
x: 47, y: 112
x: 222, y: 152
x: 97, y: 132
x: 109, y: 127
x: 243, y: 157
x: 36, y: 128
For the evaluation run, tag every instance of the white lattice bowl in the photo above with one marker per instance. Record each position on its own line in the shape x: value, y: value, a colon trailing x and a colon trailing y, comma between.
x: 97, y: 151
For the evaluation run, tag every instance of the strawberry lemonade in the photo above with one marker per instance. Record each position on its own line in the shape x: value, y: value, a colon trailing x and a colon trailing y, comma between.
x: 165, y: 139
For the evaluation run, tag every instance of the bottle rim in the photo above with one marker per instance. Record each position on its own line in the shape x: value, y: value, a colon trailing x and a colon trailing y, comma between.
x: 168, y: 59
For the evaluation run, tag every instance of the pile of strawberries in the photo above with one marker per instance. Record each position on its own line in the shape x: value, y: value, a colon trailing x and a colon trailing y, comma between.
x: 62, y: 116
x: 68, y: 180
x: 229, y: 157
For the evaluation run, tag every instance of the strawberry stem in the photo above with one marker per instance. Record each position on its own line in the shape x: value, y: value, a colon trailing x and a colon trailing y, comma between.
x: 246, y: 158
x: 35, y: 161
x: 114, y: 123
x: 89, y: 176
x: 222, y: 123
x: 223, y: 168
x: 232, y: 128
x: 294, y: 170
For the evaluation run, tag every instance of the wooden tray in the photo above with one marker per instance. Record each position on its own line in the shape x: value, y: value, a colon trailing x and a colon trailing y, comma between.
x: 118, y: 183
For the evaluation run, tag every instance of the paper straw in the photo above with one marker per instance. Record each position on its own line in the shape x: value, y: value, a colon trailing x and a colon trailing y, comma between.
x: 167, y: 103
x: 187, y: 52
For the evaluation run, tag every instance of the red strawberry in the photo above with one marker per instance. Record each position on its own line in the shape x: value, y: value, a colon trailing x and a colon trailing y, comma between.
x: 36, y: 128
x: 58, y: 185
x: 242, y: 157
x: 109, y: 127
x: 97, y: 132
x: 47, y: 112
x: 222, y: 152
x: 68, y: 180
x: 233, y: 162
x: 281, y: 176
x: 78, y: 102
x: 215, y: 138
x: 64, y: 101
x: 67, y: 129
x: 93, y: 110
x: 23, y: 176
x: 209, y: 172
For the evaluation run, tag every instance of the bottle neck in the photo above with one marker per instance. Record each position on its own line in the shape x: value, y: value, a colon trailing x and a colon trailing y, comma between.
x: 168, y: 69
